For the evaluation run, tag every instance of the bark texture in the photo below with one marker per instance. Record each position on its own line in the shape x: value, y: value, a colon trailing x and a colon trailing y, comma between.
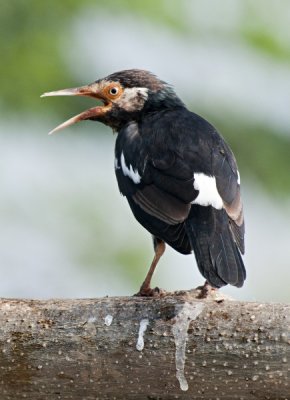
x: 173, y: 347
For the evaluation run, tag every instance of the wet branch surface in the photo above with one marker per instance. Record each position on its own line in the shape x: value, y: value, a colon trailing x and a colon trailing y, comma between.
x: 174, y: 347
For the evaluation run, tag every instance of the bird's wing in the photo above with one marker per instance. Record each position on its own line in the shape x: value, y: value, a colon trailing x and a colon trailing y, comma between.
x: 174, y: 172
x: 157, y: 191
x: 151, y: 174
x: 170, y: 190
x: 153, y: 193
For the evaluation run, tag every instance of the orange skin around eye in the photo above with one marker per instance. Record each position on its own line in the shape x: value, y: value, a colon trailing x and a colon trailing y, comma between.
x: 111, y: 97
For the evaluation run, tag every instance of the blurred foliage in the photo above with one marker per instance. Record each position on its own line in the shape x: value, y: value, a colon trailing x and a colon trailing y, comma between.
x: 31, y: 33
x: 267, y: 28
x: 267, y: 43
x: 32, y: 61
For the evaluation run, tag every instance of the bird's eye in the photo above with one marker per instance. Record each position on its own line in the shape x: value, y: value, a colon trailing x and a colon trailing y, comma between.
x: 114, y: 91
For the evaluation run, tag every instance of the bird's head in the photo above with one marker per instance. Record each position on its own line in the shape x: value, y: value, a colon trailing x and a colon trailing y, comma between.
x: 126, y: 96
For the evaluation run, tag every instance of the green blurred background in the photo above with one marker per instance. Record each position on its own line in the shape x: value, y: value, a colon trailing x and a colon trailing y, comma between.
x: 65, y: 230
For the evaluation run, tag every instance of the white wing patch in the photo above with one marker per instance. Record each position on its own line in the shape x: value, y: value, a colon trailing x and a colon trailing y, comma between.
x: 130, y: 172
x: 239, y: 178
x: 208, y: 194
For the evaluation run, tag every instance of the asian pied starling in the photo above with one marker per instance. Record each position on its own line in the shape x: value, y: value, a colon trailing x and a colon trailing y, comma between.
x: 179, y: 176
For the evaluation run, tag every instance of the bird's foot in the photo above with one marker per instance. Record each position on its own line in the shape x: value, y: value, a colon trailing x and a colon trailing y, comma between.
x: 148, y: 292
x: 206, y: 291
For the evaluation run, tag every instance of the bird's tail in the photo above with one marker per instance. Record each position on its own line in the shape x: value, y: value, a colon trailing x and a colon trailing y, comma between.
x: 217, y: 254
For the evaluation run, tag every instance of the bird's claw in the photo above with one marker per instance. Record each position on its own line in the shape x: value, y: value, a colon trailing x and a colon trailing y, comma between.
x: 205, y: 291
x: 148, y: 292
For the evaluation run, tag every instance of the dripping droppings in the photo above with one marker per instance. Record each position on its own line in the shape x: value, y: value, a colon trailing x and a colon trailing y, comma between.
x: 188, y: 313
x: 143, y: 326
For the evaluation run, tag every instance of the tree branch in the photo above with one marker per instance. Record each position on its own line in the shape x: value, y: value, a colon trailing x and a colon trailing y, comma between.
x: 174, y: 347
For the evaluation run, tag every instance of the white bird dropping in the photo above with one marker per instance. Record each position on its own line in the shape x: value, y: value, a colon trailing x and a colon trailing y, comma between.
x: 108, y: 319
x: 142, y: 328
x: 188, y: 313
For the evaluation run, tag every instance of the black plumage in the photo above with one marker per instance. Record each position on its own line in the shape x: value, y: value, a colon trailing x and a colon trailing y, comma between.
x: 179, y: 176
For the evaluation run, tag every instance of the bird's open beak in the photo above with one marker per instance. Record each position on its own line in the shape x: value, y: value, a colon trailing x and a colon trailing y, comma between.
x: 89, y: 91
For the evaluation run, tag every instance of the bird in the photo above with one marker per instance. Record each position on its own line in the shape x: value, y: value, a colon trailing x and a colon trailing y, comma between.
x: 176, y: 171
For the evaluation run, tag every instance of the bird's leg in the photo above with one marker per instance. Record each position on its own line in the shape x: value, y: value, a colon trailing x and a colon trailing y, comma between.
x: 145, y: 290
x: 205, y: 290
